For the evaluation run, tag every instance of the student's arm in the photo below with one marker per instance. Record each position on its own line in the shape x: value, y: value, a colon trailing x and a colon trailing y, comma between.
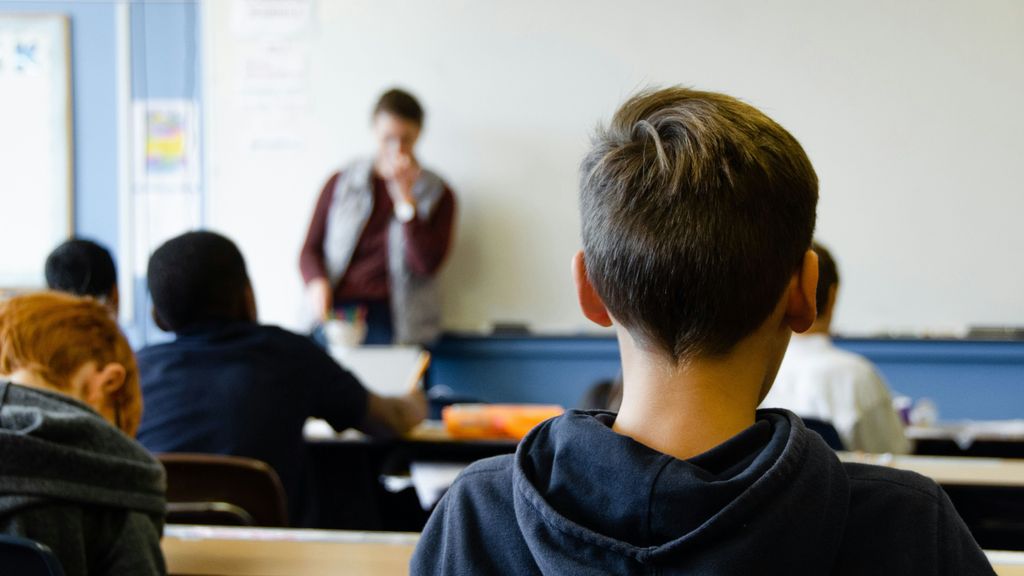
x: 427, y: 240
x: 878, y: 428
x: 880, y: 431
x: 341, y: 400
x: 387, y: 415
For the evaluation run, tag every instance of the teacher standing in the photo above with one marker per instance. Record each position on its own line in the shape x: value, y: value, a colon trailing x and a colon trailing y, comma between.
x: 380, y: 232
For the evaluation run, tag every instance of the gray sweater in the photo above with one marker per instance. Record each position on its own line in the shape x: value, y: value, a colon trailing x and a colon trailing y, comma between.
x: 70, y: 480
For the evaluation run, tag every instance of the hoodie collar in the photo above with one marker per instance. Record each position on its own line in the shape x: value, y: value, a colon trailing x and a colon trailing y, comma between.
x: 52, y: 446
x: 575, y: 477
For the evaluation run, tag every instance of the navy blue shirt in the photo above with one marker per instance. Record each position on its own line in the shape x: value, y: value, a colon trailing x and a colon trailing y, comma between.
x: 246, y: 390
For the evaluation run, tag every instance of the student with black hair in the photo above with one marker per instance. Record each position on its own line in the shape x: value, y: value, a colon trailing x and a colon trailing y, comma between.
x: 228, y: 385
x: 83, y: 268
x: 819, y: 380
x: 380, y: 232
x: 698, y: 212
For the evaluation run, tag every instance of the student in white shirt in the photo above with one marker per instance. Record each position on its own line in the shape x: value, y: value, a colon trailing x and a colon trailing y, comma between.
x: 819, y: 380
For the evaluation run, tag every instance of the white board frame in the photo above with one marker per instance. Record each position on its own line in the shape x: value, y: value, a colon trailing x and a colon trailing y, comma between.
x: 56, y: 28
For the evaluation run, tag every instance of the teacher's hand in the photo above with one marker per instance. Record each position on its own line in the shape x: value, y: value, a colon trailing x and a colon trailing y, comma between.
x: 321, y: 297
x: 405, y: 171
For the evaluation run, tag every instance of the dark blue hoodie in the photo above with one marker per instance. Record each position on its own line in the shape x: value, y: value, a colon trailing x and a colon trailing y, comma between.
x: 578, y: 498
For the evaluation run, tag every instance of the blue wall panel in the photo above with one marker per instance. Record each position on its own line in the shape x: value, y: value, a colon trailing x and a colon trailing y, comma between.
x: 966, y: 379
x: 165, y: 58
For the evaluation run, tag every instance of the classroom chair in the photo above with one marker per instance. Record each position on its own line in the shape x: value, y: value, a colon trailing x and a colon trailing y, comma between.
x: 223, y: 490
x: 26, y: 557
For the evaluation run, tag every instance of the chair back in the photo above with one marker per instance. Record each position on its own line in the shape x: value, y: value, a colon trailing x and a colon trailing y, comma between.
x: 26, y: 557
x: 827, y: 432
x: 223, y: 490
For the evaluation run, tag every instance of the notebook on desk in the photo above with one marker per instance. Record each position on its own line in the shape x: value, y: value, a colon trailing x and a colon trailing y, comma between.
x: 383, y: 370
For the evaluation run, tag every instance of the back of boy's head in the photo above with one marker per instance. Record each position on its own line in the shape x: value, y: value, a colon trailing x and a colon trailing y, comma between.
x: 55, y: 334
x: 81, y: 267
x: 697, y: 209
x: 195, y: 278
x: 828, y: 276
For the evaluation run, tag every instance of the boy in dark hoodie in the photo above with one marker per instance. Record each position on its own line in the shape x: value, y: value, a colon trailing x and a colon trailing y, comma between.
x: 698, y: 213
x: 70, y: 475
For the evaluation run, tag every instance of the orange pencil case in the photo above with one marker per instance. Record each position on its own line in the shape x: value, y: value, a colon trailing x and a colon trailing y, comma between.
x: 495, y: 421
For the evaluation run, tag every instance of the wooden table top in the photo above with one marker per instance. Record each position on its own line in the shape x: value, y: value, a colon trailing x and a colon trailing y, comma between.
x: 950, y: 470
x: 228, y: 551
x: 224, y: 551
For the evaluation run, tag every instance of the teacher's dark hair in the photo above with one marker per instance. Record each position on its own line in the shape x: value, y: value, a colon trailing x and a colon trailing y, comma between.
x: 697, y: 209
x: 400, y: 103
x: 198, y: 277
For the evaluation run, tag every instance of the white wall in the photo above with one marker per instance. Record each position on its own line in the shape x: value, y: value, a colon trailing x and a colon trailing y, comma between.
x: 909, y: 110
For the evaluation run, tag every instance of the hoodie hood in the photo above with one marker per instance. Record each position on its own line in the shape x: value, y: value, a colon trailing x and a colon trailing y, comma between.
x: 748, y: 498
x: 54, y: 447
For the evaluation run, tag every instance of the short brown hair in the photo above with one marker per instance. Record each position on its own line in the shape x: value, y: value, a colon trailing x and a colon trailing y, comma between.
x: 55, y: 334
x: 696, y: 209
x: 828, y: 276
x: 400, y: 103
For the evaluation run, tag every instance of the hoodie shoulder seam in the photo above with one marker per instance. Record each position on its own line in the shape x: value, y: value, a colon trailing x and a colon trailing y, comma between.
x: 483, y: 467
x: 928, y: 493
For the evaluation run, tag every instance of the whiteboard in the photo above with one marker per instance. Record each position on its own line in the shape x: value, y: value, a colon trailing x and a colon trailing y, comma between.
x: 910, y: 112
x: 35, y: 145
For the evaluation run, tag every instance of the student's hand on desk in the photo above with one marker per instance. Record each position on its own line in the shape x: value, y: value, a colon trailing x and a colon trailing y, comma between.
x: 320, y: 297
x: 396, y: 414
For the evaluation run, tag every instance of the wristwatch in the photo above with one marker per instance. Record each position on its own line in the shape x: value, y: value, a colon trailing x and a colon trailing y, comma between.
x: 405, y: 211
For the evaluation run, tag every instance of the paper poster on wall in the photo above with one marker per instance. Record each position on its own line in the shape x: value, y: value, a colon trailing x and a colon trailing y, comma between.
x: 273, y: 91
x: 166, y: 199
x: 263, y: 18
x: 35, y: 144
x: 166, y: 146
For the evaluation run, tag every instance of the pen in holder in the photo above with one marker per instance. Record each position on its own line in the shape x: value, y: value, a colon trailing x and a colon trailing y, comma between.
x: 346, y: 327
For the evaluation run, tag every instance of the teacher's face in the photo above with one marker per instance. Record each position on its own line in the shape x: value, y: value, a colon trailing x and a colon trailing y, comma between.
x: 396, y: 136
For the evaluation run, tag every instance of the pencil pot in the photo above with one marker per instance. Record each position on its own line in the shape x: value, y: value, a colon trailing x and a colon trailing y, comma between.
x: 342, y: 334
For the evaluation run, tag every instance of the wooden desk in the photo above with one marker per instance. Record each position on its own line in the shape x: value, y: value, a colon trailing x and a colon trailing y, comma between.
x: 222, y: 551
x: 993, y: 439
x: 1007, y: 563
x: 216, y: 551
x: 971, y: 431
x: 346, y: 469
x: 950, y: 470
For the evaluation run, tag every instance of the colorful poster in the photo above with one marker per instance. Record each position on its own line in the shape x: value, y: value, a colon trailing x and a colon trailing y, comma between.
x: 166, y: 145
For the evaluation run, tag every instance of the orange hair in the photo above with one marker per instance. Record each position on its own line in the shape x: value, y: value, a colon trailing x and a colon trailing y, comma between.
x: 54, y: 335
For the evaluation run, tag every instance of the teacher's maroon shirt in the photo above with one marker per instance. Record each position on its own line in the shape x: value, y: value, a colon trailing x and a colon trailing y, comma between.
x: 367, y: 275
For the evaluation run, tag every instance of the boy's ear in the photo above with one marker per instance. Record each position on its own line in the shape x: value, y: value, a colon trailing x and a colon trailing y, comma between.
x: 159, y: 321
x: 111, y: 378
x: 801, y: 302
x: 250, y: 303
x: 590, y: 302
x: 114, y: 300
